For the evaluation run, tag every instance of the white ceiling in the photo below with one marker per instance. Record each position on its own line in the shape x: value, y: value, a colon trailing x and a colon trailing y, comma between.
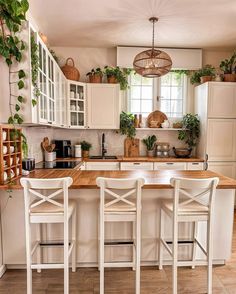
x: 108, y: 23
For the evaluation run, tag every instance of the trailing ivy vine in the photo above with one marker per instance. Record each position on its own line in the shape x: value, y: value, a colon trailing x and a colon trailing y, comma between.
x: 12, y: 17
x: 34, y: 68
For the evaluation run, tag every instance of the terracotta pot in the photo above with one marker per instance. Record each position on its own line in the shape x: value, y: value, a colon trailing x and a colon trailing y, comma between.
x: 112, y: 80
x: 95, y: 78
x: 205, y: 79
x: 150, y: 153
x: 229, y: 77
x: 85, y: 153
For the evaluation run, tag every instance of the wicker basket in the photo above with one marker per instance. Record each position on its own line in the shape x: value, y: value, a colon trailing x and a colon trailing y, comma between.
x: 70, y: 71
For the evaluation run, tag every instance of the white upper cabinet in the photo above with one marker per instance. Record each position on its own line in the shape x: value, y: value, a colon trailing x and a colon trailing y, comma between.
x: 76, y: 104
x: 61, y: 101
x: 47, y: 82
x: 103, y: 106
x: 221, y: 139
x: 222, y: 100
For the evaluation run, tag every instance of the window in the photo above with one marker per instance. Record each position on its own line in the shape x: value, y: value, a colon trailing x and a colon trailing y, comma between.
x: 140, y: 95
x: 171, y: 90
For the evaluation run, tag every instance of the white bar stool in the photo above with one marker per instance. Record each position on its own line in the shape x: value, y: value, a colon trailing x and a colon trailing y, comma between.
x: 44, y: 209
x: 120, y: 201
x: 193, y: 201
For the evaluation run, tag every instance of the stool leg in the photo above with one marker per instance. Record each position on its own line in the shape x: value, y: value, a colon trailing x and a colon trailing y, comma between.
x: 195, y: 227
x: 101, y: 254
x: 74, y: 239
x: 66, y: 258
x: 161, y: 230
x: 175, y: 256
x: 209, y: 257
x: 39, y: 250
x: 138, y: 253
x: 28, y: 258
x: 134, y: 245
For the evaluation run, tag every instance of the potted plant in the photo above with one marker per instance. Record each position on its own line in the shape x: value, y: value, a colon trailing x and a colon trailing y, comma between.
x: 85, y: 147
x: 228, y: 66
x: 131, y: 144
x: 203, y: 75
x: 150, y: 142
x: 116, y: 75
x: 189, y: 134
x: 95, y: 75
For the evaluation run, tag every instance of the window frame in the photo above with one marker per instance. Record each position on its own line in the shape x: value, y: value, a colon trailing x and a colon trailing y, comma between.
x: 156, y: 88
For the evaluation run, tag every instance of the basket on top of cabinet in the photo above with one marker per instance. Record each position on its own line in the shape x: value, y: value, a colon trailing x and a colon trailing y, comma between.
x: 10, y: 154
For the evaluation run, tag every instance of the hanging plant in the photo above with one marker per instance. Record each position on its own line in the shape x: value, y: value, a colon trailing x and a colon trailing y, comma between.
x: 12, y: 17
x: 34, y: 68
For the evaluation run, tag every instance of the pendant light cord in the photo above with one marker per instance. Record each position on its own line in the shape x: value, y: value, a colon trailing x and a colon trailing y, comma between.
x: 153, y: 33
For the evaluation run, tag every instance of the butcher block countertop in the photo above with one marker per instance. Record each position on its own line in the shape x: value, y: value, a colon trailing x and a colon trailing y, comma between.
x: 153, y: 179
x: 147, y: 159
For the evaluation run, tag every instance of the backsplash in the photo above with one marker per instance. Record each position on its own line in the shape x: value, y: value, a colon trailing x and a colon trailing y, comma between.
x: 114, y: 141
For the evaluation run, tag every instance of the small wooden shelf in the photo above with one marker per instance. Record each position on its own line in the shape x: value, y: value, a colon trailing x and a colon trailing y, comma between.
x: 158, y: 129
x: 11, y: 162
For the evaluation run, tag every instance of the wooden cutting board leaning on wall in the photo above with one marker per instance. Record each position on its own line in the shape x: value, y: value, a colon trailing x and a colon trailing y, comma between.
x: 131, y: 147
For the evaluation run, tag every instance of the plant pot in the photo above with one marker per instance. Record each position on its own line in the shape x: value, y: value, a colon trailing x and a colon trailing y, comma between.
x: 205, y: 79
x: 150, y: 153
x: 112, y: 80
x: 95, y: 78
x: 85, y: 153
x: 229, y: 77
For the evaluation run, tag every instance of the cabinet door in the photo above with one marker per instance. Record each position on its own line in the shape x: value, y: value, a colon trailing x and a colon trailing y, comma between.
x: 195, y: 166
x: 221, y: 139
x: 170, y: 165
x: 227, y: 169
x: 222, y: 100
x: 136, y: 166
x: 76, y: 104
x: 103, y: 106
x: 102, y: 166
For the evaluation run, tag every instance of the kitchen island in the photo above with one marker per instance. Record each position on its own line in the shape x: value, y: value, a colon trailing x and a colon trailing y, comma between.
x: 86, y: 193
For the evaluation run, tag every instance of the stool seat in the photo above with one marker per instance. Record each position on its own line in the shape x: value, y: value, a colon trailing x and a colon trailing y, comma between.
x: 46, y: 208
x: 190, y: 209
x: 119, y: 207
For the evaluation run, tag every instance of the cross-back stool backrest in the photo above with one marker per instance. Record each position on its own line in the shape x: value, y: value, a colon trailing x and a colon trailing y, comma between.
x: 191, y: 191
x: 39, y: 191
x: 120, y: 191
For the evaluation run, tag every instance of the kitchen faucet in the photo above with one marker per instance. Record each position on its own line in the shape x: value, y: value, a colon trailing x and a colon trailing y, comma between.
x: 104, y: 150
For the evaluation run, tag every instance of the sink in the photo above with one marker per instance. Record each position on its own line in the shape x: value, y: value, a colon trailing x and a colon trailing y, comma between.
x: 105, y: 157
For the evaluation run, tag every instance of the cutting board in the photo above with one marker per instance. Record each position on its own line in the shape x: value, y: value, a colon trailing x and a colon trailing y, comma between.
x: 131, y: 147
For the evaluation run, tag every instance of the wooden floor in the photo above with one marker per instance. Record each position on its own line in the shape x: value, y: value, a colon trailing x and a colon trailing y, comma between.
x: 121, y: 281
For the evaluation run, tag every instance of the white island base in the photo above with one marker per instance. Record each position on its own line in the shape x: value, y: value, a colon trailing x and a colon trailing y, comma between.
x: 13, y: 229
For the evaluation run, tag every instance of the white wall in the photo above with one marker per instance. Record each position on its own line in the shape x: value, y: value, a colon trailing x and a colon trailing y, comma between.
x: 87, y: 58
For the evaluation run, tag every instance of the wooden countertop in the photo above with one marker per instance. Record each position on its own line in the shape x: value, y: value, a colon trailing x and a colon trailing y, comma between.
x: 153, y: 179
x: 147, y: 159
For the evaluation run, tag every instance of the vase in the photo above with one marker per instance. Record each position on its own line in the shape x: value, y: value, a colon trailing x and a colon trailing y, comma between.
x: 112, y: 80
x: 96, y: 78
x: 150, y: 153
x: 205, y: 79
x: 85, y: 153
x: 229, y: 77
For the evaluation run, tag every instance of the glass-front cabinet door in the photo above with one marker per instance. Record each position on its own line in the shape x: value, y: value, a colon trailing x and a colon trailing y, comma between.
x: 47, y: 104
x: 76, y: 104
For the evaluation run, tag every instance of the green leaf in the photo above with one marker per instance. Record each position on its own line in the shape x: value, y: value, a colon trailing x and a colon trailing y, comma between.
x: 8, y: 61
x: 22, y: 47
x: 17, y: 107
x: 21, y: 84
x: 20, y: 99
x: 20, y: 120
x: 10, y: 120
x: 34, y: 102
x: 21, y: 74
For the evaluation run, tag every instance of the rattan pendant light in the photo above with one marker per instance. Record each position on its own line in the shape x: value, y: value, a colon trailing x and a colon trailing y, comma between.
x: 152, y: 63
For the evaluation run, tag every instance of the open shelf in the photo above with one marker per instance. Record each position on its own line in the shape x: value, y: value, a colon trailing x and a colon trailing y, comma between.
x: 158, y: 129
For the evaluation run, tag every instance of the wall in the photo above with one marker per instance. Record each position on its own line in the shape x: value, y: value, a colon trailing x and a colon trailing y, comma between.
x: 87, y: 58
x: 214, y: 57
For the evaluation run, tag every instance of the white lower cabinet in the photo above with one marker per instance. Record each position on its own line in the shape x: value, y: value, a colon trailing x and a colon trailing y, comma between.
x: 102, y: 165
x: 136, y: 165
x: 227, y: 169
x: 170, y: 165
x: 195, y: 166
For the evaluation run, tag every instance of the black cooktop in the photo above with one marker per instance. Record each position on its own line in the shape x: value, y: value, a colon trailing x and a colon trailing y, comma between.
x: 57, y: 164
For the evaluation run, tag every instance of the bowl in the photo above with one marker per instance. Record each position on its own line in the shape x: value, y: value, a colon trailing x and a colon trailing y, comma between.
x: 182, y: 152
